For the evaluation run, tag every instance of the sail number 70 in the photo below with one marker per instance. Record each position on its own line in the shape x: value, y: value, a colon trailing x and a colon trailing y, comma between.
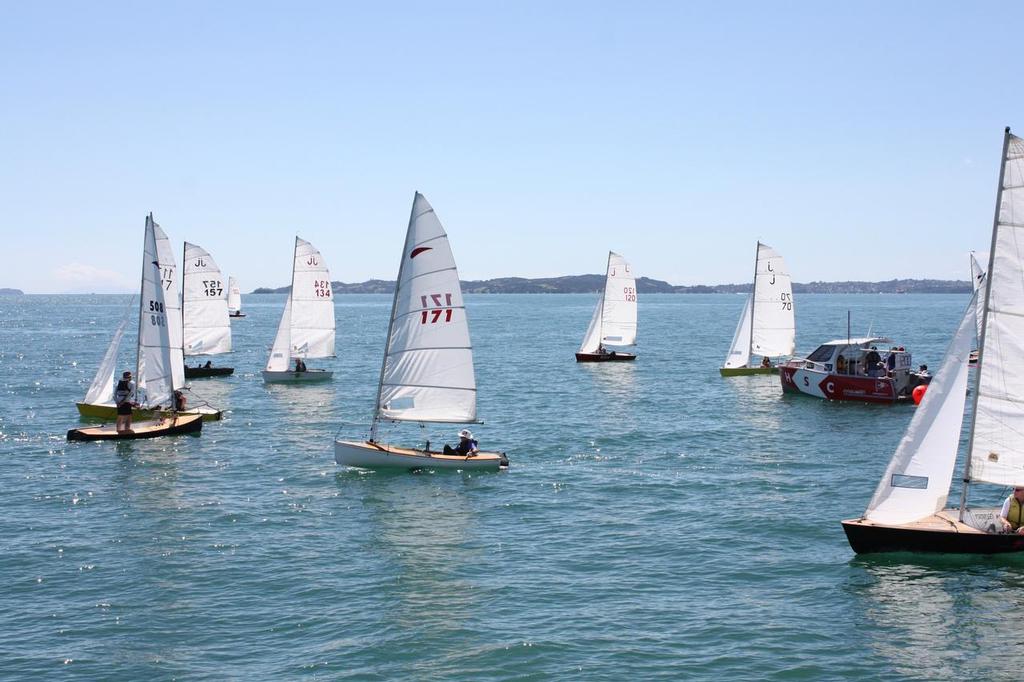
x: 435, y: 309
x: 787, y: 301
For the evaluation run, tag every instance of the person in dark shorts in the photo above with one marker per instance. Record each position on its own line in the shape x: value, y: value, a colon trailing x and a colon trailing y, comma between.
x: 123, y: 393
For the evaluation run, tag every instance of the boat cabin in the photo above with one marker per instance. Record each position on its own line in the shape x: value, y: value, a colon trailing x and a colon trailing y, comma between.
x: 866, y: 357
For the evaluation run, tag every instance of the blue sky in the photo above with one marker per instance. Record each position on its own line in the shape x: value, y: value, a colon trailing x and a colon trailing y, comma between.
x: 861, y: 140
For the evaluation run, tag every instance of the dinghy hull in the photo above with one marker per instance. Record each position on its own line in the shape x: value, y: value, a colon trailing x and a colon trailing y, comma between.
x: 203, y: 372
x: 173, y: 426
x: 92, y: 411
x: 365, y: 455
x: 236, y: 314
x: 745, y: 371
x: 292, y: 377
x: 939, y: 534
x: 605, y: 357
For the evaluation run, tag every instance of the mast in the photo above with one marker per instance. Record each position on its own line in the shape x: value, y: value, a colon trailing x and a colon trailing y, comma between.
x: 753, y: 305
x: 184, y: 245
x: 604, y: 294
x: 391, y: 321
x: 291, y: 297
x: 981, y: 341
x: 138, y: 339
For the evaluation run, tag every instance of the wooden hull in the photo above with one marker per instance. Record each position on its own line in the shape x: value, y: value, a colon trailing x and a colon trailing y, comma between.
x: 293, y: 377
x: 745, y: 371
x: 189, y: 423
x: 367, y: 455
x: 938, y: 534
x: 605, y: 357
x: 202, y: 372
x: 110, y: 412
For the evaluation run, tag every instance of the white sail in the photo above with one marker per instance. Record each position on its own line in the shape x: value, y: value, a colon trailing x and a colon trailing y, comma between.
x: 280, y: 355
x: 206, y: 328
x: 155, y: 360
x: 592, y: 339
x: 739, y: 351
x: 997, y: 448
x: 312, y: 305
x: 427, y: 373
x: 978, y: 280
x: 101, y: 390
x: 774, y: 324
x: 172, y: 299
x: 916, y: 482
x: 618, y: 316
x: 234, y: 296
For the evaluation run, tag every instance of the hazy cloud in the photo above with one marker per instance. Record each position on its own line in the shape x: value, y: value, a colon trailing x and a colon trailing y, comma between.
x: 84, y: 278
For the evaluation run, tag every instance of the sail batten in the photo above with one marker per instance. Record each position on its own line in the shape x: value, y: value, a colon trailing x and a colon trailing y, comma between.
x: 427, y: 373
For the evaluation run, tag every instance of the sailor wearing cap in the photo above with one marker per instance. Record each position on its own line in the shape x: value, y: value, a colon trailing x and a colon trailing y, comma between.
x: 467, y: 447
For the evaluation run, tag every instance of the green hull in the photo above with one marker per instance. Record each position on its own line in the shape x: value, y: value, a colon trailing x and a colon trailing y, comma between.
x: 745, y: 371
x: 110, y: 412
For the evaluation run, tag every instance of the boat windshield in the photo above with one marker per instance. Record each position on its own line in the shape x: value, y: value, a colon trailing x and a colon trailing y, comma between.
x: 822, y: 353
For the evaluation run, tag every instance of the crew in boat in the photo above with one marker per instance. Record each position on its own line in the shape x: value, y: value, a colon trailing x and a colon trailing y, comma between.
x: 1012, y: 513
x: 766, y: 362
x: 871, y: 361
x: 179, y: 401
x: 300, y: 366
x: 467, y: 446
x: 209, y: 364
x: 841, y: 364
x: 123, y: 399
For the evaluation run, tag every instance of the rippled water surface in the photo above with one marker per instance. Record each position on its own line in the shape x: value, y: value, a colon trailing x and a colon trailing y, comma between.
x: 658, y: 521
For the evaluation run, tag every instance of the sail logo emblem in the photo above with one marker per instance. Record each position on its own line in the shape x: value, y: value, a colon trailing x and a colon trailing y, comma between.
x: 435, y: 308
x: 771, y: 270
x: 200, y: 263
x: 418, y: 250
x: 312, y: 261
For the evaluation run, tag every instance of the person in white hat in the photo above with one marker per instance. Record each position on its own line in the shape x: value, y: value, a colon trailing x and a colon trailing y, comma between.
x: 467, y: 447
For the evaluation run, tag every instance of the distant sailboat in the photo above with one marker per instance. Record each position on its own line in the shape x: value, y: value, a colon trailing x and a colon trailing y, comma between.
x: 427, y: 372
x: 206, y: 329
x: 234, y: 299
x: 614, y: 320
x: 154, y: 363
x: 306, y: 330
x: 767, y: 326
x: 100, y: 403
x: 906, y: 512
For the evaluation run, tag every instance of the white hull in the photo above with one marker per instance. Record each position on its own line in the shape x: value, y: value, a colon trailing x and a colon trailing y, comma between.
x: 293, y: 377
x: 376, y: 456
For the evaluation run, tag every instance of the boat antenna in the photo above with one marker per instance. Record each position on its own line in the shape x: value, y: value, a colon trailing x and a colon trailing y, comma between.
x: 984, y: 324
x: 847, y: 326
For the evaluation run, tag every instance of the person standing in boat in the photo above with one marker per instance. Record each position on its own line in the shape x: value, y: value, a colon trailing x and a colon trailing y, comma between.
x: 467, y: 446
x: 1012, y: 513
x: 123, y: 394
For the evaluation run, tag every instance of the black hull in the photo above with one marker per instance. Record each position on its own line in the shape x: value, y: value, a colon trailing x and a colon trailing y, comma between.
x: 236, y: 315
x: 604, y: 357
x: 201, y: 372
x: 870, y: 539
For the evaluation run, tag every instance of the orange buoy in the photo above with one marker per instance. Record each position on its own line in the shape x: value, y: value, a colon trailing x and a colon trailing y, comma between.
x: 918, y: 393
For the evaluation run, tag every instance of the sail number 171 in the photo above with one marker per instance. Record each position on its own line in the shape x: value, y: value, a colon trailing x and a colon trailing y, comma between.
x: 434, y: 308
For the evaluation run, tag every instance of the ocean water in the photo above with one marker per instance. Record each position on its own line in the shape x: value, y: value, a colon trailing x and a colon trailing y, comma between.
x: 657, y: 522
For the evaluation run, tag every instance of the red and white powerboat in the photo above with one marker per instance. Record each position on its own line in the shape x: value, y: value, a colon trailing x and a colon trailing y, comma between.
x: 869, y: 369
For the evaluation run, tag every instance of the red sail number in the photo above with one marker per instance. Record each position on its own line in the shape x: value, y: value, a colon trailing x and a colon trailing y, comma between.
x: 434, y: 308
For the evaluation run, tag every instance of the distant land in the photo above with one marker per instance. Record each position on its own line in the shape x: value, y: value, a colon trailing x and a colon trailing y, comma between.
x: 585, y: 284
x: 11, y: 292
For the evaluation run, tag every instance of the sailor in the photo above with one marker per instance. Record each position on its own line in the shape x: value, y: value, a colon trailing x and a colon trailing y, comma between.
x: 467, y: 447
x: 179, y: 401
x: 300, y: 366
x: 766, y: 362
x: 209, y: 364
x: 123, y: 394
x: 1011, y: 516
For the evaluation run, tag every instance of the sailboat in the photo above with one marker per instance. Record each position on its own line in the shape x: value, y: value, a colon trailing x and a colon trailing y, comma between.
x: 977, y: 281
x: 100, y: 404
x: 427, y: 372
x: 614, y: 320
x: 907, y: 511
x: 206, y: 329
x: 306, y: 329
x: 767, y: 326
x: 154, y: 362
x: 234, y: 298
